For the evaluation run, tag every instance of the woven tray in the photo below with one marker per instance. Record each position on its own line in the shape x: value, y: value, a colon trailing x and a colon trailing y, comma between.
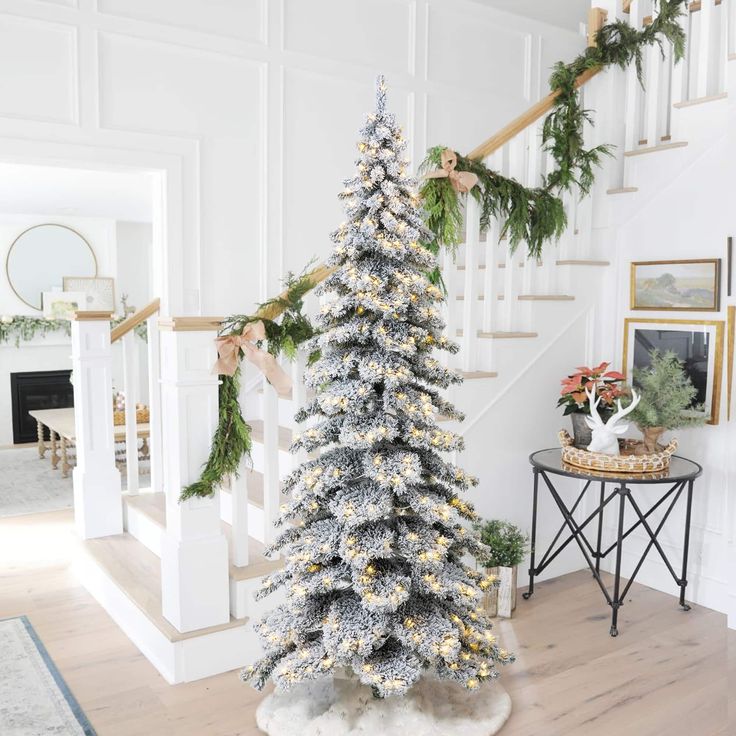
x: 626, y: 462
x: 141, y: 415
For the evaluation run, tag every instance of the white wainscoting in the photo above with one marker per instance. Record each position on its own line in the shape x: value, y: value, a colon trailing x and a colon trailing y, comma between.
x: 258, y: 103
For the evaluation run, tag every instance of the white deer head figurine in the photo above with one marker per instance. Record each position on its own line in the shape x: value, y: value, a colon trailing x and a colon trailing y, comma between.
x: 605, y: 436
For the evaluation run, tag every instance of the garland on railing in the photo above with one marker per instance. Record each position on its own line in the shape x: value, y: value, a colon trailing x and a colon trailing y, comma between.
x: 232, y: 439
x: 24, y: 328
x: 536, y: 215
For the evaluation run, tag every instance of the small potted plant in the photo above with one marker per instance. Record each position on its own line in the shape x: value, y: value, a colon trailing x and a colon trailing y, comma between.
x: 573, y: 398
x: 506, y: 546
x: 667, y: 399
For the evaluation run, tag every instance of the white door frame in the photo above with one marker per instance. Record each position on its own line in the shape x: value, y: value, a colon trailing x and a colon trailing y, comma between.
x: 175, y: 210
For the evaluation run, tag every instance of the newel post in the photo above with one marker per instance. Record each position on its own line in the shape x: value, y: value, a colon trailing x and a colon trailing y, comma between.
x: 194, y: 558
x: 98, y: 508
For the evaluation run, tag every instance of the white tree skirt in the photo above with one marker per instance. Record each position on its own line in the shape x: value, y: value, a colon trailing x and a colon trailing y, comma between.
x: 345, y: 708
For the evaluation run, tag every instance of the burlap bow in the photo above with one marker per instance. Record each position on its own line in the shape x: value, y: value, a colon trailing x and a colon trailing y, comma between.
x: 228, y: 349
x: 462, y: 181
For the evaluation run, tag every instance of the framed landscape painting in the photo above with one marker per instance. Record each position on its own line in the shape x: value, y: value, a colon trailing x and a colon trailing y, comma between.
x: 698, y: 345
x: 676, y: 285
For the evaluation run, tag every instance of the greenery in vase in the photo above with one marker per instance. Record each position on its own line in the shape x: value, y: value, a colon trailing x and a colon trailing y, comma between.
x: 506, y: 543
x: 572, y: 394
x: 667, y: 394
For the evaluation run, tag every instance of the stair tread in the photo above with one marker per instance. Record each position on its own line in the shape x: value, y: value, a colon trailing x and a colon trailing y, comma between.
x: 655, y: 149
x: 473, y: 375
x: 562, y: 262
x: 530, y: 297
x: 701, y: 100
x: 137, y: 572
x: 254, y: 480
x: 256, y: 432
x: 622, y: 190
x: 582, y: 262
x: 501, y: 335
x: 289, y: 395
x: 153, y: 505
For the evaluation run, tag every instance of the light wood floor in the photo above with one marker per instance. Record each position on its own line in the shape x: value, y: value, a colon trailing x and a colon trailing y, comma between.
x: 666, y: 673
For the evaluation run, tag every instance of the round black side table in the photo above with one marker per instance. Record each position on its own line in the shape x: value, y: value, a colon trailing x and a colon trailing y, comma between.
x: 680, y: 476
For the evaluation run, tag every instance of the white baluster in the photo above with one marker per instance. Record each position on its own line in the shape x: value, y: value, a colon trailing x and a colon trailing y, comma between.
x: 731, y: 12
x: 448, y: 269
x: 131, y: 379
x: 98, y: 509
x: 651, y: 93
x: 722, y: 23
x: 490, y: 275
x: 154, y: 404
x: 271, y: 483
x: 470, y: 296
x: 194, y: 558
x: 239, y: 541
x: 678, y: 83
x: 705, y: 42
x: 633, y: 92
x: 299, y: 395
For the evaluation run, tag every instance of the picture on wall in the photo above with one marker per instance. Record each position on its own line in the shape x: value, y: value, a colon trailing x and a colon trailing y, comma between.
x: 100, y: 292
x: 62, y: 304
x: 698, y: 344
x: 676, y: 285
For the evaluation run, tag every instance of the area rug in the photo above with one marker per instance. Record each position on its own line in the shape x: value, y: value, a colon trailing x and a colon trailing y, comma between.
x: 34, y: 699
x: 28, y: 485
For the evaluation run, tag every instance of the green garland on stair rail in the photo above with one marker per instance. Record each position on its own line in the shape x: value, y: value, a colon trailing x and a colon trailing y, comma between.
x: 232, y: 438
x: 536, y: 215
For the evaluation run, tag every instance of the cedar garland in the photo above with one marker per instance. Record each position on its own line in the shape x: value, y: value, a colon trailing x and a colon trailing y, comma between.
x: 536, y: 215
x: 232, y: 439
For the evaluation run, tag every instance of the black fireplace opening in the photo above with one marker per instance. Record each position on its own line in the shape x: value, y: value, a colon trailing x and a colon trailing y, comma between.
x: 37, y: 390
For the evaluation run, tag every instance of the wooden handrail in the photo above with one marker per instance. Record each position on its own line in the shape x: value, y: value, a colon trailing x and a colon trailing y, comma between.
x: 275, y: 308
x: 524, y: 120
x: 134, y: 320
x: 596, y: 19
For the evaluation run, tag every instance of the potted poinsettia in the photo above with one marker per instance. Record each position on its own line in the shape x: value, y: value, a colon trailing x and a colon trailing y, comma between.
x: 573, y: 398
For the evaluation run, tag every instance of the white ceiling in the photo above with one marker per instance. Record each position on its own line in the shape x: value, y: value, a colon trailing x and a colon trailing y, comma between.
x: 565, y: 13
x: 51, y: 190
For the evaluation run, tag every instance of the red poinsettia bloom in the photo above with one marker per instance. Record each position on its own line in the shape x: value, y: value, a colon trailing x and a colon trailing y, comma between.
x: 598, y: 379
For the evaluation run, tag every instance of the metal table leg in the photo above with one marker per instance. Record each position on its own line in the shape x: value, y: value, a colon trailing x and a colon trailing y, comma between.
x: 600, y: 528
x: 530, y: 592
x: 616, y: 602
x: 686, y: 546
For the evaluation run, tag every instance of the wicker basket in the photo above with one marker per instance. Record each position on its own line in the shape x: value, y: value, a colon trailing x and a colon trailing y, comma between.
x: 627, y: 462
x: 142, y: 415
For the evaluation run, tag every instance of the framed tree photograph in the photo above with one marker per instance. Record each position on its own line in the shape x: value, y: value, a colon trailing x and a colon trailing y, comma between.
x: 692, y: 285
x: 697, y: 343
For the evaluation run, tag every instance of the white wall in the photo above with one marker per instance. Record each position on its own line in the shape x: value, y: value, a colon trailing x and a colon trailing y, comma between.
x: 690, y: 217
x: 134, y: 256
x: 250, y: 108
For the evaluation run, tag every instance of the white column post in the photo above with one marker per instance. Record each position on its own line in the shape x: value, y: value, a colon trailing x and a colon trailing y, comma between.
x: 131, y: 387
x: 154, y: 404
x: 194, y: 558
x: 470, y: 295
x: 98, y: 508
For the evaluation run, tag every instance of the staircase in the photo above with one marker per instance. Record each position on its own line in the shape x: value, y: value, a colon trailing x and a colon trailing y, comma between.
x: 179, y: 578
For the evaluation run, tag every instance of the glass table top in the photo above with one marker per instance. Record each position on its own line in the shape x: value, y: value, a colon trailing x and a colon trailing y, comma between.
x: 680, y: 468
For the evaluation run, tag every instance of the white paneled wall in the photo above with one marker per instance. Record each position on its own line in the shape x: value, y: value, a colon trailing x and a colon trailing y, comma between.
x: 249, y: 110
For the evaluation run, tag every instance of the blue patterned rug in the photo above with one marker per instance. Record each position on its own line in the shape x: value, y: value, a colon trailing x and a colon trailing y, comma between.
x: 34, y: 699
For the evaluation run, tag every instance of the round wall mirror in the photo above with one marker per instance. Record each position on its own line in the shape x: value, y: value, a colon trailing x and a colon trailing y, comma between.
x: 41, y: 256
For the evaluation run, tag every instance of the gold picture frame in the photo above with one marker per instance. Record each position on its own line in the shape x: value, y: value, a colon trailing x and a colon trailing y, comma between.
x: 100, y: 291
x: 692, y: 299
x: 712, y: 327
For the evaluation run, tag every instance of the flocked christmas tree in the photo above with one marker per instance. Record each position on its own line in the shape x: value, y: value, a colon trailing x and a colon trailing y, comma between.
x: 374, y: 531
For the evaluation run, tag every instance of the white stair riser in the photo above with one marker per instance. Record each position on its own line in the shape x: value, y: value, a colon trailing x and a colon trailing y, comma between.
x: 287, y: 409
x: 256, y: 528
x: 285, y: 460
x: 143, y: 528
x: 179, y: 661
